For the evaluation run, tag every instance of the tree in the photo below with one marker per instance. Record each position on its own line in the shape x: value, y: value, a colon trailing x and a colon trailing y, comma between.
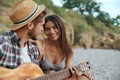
x: 105, y: 18
x: 92, y: 7
x: 83, y: 6
x: 117, y: 20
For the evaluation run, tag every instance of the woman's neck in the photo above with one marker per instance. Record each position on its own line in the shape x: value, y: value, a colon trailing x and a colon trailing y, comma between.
x: 52, y: 43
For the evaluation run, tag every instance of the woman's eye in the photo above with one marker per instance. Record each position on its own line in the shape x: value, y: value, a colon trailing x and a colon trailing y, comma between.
x: 54, y: 27
x: 47, y: 29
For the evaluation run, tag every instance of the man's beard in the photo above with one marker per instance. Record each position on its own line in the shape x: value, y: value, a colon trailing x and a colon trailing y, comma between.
x: 31, y: 36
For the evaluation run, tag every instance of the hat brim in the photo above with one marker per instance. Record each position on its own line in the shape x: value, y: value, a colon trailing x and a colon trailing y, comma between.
x: 40, y: 10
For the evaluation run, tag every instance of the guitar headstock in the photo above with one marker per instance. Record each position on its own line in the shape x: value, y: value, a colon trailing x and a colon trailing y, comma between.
x: 84, y: 66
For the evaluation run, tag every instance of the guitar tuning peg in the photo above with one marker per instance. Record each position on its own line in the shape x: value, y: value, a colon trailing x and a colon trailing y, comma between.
x: 89, y: 67
x: 87, y: 62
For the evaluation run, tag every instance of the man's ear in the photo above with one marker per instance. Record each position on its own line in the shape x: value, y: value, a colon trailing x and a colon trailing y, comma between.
x: 30, y: 25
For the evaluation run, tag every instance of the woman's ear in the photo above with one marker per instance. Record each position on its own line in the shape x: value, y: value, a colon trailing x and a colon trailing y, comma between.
x: 30, y: 25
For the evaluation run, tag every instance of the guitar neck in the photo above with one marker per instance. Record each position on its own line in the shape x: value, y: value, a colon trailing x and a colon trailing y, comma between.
x: 58, y: 75
x: 64, y: 73
x: 55, y: 75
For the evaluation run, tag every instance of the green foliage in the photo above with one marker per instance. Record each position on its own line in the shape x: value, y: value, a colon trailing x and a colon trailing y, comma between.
x: 80, y: 22
x: 47, y: 3
x: 60, y: 11
x: 83, y: 6
x: 117, y: 20
x: 90, y: 19
x: 78, y: 29
x: 7, y: 2
x: 105, y: 18
x: 89, y: 7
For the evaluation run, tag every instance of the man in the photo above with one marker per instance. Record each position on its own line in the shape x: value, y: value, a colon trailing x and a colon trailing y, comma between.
x: 15, y: 49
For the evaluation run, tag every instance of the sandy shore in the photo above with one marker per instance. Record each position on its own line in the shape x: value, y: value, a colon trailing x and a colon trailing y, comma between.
x: 104, y: 62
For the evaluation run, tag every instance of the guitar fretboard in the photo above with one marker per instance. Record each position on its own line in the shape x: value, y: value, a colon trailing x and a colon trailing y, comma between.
x: 63, y: 73
x: 55, y: 75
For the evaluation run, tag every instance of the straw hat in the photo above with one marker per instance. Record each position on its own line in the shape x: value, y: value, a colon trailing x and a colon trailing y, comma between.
x: 23, y: 12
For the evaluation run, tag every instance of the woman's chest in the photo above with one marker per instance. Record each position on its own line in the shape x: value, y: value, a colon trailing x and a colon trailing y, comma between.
x: 54, y: 56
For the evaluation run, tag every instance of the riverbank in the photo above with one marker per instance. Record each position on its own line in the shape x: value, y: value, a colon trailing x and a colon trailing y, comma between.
x: 104, y: 62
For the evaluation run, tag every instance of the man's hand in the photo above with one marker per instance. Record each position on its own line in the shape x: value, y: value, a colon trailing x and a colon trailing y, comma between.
x: 24, y: 78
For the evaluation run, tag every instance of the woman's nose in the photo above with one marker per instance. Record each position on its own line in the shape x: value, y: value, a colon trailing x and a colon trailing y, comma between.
x: 52, y: 30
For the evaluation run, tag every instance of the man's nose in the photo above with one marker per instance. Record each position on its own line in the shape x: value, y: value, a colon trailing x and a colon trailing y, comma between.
x: 43, y: 21
x: 42, y: 28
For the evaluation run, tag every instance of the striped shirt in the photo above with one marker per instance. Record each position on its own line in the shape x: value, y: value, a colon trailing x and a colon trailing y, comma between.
x: 10, y: 51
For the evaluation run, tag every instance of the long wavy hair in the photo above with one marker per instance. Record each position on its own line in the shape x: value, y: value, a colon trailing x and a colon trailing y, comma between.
x: 62, y: 41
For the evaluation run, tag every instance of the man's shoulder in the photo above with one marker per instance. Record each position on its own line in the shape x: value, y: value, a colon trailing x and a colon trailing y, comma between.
x: 4, y: 37
x: 32, y: 46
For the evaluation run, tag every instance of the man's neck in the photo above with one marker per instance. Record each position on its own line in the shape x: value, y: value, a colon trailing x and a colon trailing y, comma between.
x: 23, y: 37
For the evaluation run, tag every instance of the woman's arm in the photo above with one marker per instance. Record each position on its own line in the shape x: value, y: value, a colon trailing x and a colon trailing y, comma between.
x: 40, y: 45
x: 69, y: 59
x: 41, y: 48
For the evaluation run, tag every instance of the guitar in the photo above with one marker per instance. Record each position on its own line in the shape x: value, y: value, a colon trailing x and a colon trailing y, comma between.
x: 34, y: 72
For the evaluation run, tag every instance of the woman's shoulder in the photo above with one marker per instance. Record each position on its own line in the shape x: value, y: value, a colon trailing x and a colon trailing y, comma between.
x: 43, y: 40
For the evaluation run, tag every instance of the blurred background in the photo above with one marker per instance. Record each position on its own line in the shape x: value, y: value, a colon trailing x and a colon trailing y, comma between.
x: 92, y: 27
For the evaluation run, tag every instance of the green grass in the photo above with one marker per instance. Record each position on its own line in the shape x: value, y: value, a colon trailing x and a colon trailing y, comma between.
x: 79, y: 22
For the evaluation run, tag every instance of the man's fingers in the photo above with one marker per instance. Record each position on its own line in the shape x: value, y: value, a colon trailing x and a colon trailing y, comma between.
x: 24, y: 78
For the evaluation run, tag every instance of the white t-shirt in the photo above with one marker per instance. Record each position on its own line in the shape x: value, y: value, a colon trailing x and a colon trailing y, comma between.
x: 25, y: 56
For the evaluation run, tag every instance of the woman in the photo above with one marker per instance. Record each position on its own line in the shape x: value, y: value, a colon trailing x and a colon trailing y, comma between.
x: 56, y: 52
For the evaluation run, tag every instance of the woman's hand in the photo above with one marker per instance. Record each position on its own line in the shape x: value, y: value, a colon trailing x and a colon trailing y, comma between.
x: 40, y: 45
x: 87, y: 76
x: 76, y: 75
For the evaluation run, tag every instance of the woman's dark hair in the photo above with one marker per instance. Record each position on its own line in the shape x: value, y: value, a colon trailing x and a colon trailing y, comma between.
x: 62, y: 41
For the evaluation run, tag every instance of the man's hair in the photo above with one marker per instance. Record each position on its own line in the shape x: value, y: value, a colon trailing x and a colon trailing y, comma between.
x: 40, y: 17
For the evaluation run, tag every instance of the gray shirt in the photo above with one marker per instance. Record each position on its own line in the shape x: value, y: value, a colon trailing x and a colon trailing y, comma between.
x: 48, y: 67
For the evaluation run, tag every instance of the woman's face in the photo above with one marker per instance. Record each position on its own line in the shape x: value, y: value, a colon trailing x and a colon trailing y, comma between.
x: 51, y: 31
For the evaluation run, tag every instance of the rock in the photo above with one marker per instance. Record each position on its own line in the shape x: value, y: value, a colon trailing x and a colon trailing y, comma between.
x: 106, y: 40
x: 96, y: 45
x: 116, y: 44
x: 86, y: 40
x: 69, y: 33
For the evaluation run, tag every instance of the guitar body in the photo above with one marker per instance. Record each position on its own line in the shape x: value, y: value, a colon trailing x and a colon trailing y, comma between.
x: 29, y: 70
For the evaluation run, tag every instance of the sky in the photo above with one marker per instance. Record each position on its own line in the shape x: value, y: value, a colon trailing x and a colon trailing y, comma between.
x: 110, y: 6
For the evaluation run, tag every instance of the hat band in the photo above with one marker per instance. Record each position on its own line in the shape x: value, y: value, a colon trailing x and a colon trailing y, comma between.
x: 27, y: 18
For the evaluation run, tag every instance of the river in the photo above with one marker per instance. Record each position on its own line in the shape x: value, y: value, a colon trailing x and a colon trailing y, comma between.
x: 105, y: 63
